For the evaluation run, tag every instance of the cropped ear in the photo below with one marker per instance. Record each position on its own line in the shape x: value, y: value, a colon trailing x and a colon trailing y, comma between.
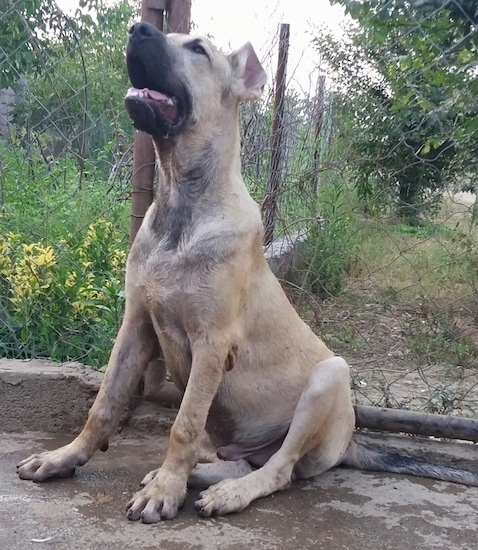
x: 249, y: 78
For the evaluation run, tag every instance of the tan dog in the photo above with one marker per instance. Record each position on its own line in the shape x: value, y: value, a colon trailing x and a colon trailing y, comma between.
x: 273, y: 398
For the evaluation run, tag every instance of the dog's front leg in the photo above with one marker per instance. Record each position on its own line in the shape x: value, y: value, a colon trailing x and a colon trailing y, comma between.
x: 165, y: 493
x: 135, y: 344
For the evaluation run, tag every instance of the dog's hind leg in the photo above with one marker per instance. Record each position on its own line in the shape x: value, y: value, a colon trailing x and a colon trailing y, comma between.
x: 204, y: 475
x: 317, y: 439
x: 135, y: 345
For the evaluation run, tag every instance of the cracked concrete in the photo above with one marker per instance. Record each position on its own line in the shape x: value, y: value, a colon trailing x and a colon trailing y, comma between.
x: 342, y: 509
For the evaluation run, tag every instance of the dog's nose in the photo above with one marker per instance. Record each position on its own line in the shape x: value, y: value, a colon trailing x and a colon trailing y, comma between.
x: 143, y: 30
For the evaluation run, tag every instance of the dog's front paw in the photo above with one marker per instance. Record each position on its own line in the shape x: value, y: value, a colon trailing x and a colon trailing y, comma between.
x: 59, y: 463
x: 228, y: 496
x: 149, y: 477
x: 160, y: 499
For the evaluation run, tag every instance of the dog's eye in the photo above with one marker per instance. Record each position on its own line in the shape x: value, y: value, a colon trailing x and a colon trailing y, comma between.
x: 197, y: 48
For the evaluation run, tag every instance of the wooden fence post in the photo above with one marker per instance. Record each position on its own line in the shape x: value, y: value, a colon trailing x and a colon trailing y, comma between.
x: 269, y: 206
x: 178, y: 17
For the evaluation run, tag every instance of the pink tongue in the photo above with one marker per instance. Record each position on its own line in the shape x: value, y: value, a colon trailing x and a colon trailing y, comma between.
x: 166, y: 105
x: 153, y: 94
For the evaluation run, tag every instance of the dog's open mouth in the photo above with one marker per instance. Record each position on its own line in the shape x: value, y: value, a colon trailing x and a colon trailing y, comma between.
x: 167, y: 107
x: 158, y: 102
x: 153, y: 112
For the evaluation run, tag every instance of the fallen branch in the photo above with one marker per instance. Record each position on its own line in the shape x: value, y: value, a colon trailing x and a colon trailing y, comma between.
x: 401, y: 421
x: 374, y: 418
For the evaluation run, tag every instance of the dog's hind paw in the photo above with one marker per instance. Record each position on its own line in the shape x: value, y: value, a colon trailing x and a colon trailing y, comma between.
x: 223, y: 498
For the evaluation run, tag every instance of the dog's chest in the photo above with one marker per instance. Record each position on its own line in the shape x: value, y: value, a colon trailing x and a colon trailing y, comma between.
x: 170, y: 283
x: 167, y: 295
x: 169, y: 288
x: 173, y: 274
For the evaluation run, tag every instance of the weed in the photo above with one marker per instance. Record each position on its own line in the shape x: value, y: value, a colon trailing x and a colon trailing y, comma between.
x: 332, y: 244
x: 433, y: 341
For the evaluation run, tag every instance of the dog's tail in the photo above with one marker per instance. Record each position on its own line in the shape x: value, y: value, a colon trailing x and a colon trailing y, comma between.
x: 363, y: 457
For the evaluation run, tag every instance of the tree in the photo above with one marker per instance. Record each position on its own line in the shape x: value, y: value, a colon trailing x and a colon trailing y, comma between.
x: 406, y: 92
x: 80, y: 91
x: 30, y: 29
x: 71, y: 73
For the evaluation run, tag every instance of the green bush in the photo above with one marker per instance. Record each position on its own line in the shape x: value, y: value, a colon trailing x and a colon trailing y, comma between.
x: 62, y: 261
x: 63, y: 302
x: 332, y: 243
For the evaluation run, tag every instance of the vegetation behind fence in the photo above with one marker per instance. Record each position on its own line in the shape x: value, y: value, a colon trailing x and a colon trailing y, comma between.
x: 378, y: 169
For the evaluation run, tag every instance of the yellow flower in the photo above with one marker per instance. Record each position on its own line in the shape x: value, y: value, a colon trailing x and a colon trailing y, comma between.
x: 5, y: 264
x: 78, y: 306
x: 118, y: 259
x: 71, y: 279
x: 4, y: 268
x: 13, y: 238
x: 28, y: 249
x: 30, y: 276
x: 46, y: 257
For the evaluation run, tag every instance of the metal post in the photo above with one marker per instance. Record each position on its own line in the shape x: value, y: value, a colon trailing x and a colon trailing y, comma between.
x: 319, y: 121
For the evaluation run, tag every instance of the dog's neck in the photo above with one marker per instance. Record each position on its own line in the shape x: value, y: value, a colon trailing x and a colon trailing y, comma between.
x: 205, y: 164
x: 201, y: 177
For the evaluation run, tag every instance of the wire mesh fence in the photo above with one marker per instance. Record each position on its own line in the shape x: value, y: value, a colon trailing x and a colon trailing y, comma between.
x: 377, y: 171
x: 65, y: 166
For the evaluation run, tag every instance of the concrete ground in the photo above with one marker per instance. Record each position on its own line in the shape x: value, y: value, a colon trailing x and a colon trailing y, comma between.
x: 342, y: 509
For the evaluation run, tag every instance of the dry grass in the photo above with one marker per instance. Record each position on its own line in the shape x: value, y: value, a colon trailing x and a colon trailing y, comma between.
x: 408, y: 319
x: 428, y: 263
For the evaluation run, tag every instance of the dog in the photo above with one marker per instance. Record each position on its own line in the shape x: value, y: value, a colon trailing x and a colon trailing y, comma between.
x: 273, y: 398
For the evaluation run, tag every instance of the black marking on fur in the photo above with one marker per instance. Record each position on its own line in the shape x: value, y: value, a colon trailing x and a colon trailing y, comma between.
x: 176, y: 206
x: 173, y: 222
x: 371, y: 459
x: 231, y: 358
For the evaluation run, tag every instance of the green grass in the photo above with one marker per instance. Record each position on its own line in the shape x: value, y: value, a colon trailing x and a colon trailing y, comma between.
x: 415, y: 264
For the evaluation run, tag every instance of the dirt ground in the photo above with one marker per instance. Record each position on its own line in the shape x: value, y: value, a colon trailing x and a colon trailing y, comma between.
x: 414, y: 348
x: 376, y: 341
x: 342, y: 509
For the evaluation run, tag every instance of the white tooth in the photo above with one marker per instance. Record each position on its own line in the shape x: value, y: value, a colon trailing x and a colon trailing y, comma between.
x: 170, y: 101
x: 136, y: 93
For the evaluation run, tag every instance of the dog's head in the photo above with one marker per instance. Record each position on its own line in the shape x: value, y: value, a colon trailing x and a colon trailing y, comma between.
x: 179, y: 80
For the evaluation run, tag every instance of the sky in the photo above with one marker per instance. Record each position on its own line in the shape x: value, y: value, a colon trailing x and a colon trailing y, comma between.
x: 231, y: 24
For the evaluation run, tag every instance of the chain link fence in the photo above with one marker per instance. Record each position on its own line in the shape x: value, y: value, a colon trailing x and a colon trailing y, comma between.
x: 377, y: 177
